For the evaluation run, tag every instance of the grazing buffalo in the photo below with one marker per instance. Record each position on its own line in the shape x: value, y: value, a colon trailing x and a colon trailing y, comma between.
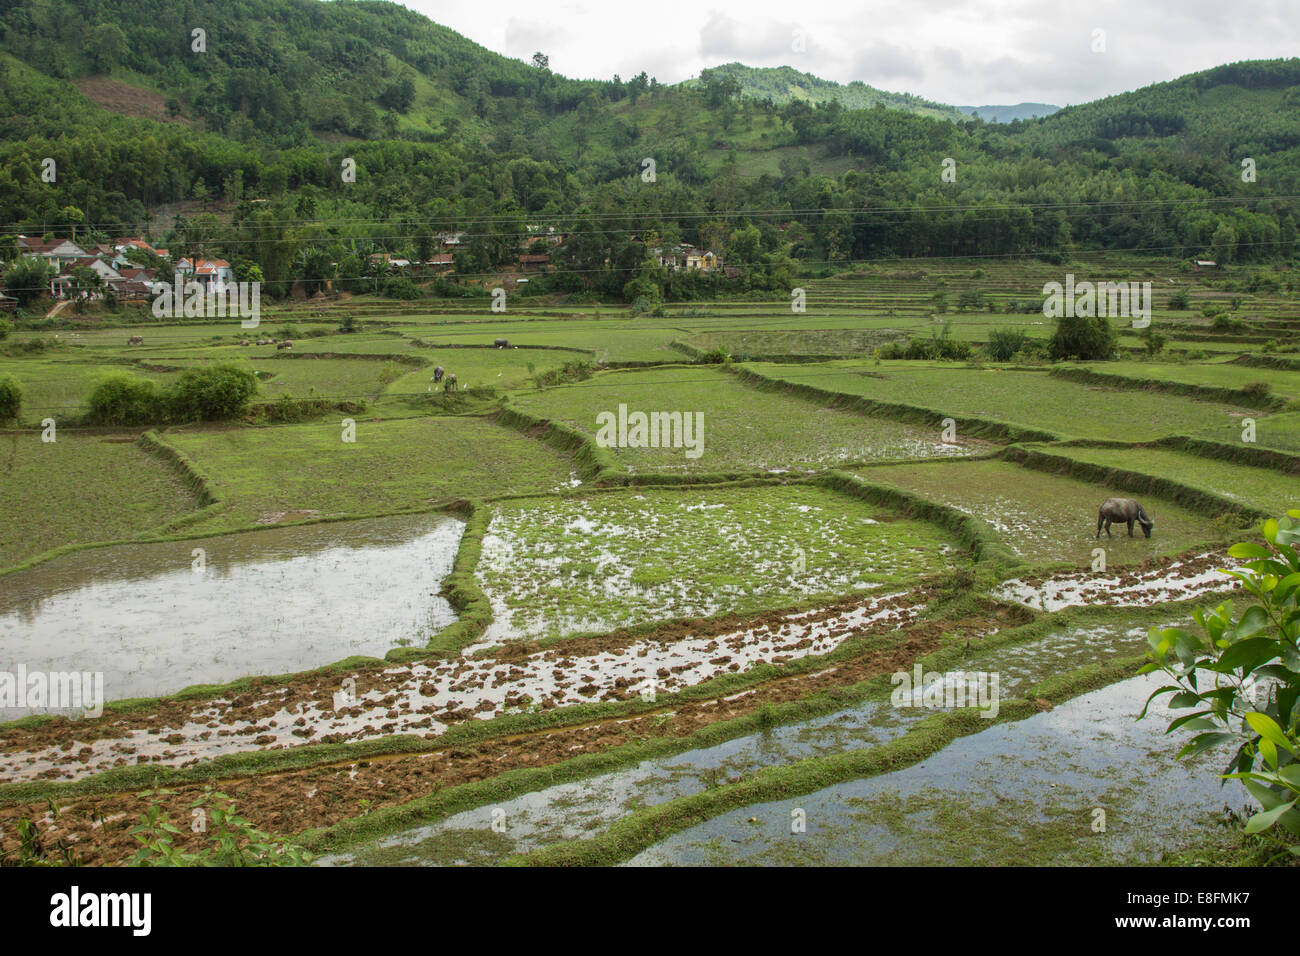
x: 501, y: 343
x: 244, y: 342
x: 449, y: 384
x: 135, y: 340
x: 1126, y: 510
x: 437, y: 374
x: 286, y: 344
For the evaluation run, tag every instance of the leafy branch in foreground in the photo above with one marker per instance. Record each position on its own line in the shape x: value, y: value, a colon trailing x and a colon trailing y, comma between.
x: 230, y: 840
x: 1242, y: 680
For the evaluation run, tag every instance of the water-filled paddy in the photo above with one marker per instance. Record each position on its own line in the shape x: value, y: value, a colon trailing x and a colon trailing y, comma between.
x: 265, y: 602
x: 1014, y: 794
x: 559, y: 566
x: 583, y: 808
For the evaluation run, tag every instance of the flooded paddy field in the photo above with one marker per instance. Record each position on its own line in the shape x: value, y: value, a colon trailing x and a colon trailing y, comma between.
x: 558, y: 566
x: 156, y: 618
x: 577, y: 810
x: 991, y: 799
x: 593, y: 635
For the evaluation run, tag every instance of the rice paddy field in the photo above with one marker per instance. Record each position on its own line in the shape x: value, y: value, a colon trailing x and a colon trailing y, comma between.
x: 503, y: 602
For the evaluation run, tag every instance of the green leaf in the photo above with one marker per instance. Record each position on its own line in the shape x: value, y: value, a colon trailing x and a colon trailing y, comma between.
x: 1264, y: 820
x: 1252, y: 622
x: 1248, y: 654
x: 1268, y: 729
x: 1203, y: 742
x: 1247, y: 549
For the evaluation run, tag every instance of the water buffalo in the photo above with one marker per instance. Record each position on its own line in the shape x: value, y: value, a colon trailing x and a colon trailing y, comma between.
x: 437, y: 374
x: 450, y: 383
x: 135, y: 340
x: 1126, y: 510
x: 243, y: 342
x: 501, y: 343
x: 286, y: 344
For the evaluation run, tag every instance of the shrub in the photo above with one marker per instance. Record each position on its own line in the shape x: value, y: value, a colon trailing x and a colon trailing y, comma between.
x: 216, y: 393
x: 11, y: 398
x: 1153, y: 341
x: 1223, y: 322
x: 1089, y: 338
x: 1180, y: 300
x: 124, y: 399
x: 5, y: 328
x: 1003, y: 344
x: 227, y: 838
x: 1241, y: 681
x: 1256, y: 389
x: 401, y: 288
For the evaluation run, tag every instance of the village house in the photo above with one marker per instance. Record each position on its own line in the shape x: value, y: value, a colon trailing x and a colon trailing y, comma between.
x: 61, y: 284
x: 57, y: 252
x: 685, y: 256
x: 214, y: 275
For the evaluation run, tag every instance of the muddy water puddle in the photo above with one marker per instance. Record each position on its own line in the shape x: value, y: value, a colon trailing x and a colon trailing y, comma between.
x: 580, y: 809
x: 155, y: 618
x: 1084, y: 783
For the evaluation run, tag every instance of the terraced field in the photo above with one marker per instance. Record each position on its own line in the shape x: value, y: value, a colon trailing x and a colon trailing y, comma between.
x: 631, y: 653
x: 738, y: 429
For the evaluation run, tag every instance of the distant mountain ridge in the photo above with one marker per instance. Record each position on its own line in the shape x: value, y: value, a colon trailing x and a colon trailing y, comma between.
x: 1006, y: 114
x: 783, y: 84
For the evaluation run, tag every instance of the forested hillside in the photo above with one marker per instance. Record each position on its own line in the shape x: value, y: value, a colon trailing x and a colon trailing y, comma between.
x: 238, y: 149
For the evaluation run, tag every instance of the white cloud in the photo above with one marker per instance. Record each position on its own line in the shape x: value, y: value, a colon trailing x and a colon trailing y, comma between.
x: 954, y: 51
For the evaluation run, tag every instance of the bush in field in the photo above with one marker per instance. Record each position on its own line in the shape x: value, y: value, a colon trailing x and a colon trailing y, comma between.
x: 1180, y: 300
x: 401, y: 288
x: 124, y: 399
x: 1241, y: 681
x: 1256, y: 389
x: 216, y: 393
x: 5, y: 328
x: 1223, y: 322
x: 11, y: 398
x: 1089, y: 338
x: 1153, y: 341
x: 970, y: 301
x: 1003, y: 344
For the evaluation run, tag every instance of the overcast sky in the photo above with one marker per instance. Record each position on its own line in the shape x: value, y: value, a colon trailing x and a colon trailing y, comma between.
x: 966, y: 52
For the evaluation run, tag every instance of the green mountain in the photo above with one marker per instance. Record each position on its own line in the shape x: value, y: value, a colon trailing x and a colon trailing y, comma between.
x: 784, y: 84
x: 240, y: 146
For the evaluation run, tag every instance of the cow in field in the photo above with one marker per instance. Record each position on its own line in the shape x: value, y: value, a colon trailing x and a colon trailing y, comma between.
x: 1124, y: 510
x: 286, y: 344
x: 438, y: 372
x: 502, y: 343
x: 135, y: 340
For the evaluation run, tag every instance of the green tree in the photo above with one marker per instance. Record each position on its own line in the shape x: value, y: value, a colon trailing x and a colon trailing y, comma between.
x: 1240, y: 680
